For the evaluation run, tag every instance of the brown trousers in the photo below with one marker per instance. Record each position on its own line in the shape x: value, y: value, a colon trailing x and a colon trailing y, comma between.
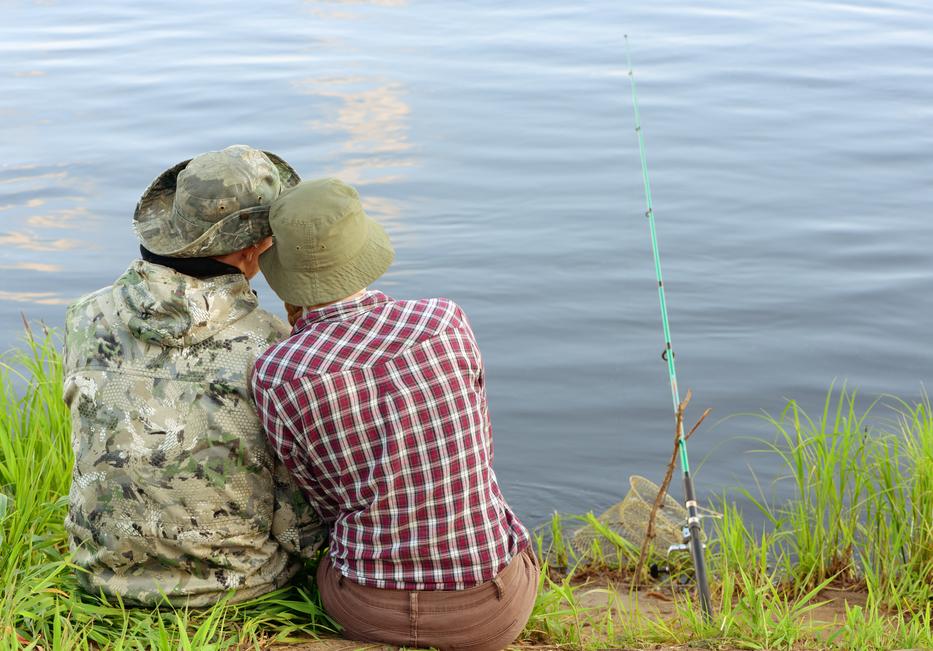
x: 486, y: 617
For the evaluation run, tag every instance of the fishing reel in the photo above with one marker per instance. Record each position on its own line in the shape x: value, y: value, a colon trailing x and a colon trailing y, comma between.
x: 680, y: 556
x: 687, y: 538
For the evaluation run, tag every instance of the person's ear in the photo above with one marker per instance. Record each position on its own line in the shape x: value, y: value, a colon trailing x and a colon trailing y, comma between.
x: 253, y: 252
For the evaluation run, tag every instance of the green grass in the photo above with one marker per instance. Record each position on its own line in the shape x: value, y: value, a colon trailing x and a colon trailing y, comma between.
x: 861, y: 516
x: 863, y: 511
x: 860, y: 519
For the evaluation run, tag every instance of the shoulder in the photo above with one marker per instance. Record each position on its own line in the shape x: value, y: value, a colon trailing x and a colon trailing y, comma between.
x: 90, y: 331
x: 250, y: 337
x: 266, y: 325
x: 268, y: 369
x: 432, y: 315
x: 363, y: 340
x: 87, y: 317
x: 87, y: 308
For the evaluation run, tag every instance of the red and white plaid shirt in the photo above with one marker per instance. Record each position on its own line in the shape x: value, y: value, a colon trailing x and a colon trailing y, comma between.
x: 378, y: 408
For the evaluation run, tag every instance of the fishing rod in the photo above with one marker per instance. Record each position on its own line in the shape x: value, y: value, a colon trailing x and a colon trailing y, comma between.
x: 693, y: 532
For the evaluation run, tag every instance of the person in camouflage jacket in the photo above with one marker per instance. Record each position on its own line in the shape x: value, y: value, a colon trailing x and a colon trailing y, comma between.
x: 175, y: 496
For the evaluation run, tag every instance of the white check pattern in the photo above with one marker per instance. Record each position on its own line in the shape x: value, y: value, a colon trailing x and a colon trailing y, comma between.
x: 378, y: 408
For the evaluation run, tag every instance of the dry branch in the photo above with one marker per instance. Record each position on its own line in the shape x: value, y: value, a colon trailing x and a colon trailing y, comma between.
x: 662, y: 491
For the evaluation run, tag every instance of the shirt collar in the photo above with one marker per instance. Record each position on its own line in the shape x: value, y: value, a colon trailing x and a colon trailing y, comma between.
x: 341, y: 310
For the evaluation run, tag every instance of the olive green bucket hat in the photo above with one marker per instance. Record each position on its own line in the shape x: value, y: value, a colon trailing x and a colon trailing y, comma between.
x: 326, y: 247
x: 212, y: 204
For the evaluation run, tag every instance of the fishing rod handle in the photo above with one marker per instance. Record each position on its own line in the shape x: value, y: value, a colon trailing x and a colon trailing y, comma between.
x: 695, y: 526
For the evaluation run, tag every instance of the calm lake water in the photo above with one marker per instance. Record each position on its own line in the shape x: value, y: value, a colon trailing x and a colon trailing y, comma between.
x: 791, y: 154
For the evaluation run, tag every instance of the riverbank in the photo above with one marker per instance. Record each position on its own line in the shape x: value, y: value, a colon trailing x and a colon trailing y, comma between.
x: 846, y: 563
x: 601, y: 599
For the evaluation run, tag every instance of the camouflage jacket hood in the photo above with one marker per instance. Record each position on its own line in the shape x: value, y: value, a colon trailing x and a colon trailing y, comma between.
x: 161, y: 306
x: 175, y: 494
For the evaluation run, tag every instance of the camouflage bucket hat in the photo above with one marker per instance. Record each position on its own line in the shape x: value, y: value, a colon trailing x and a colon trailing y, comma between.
x: 326, y: 247
x: 212, y: 204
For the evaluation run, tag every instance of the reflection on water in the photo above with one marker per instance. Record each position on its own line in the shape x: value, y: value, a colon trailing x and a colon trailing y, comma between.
x: 373, y: 115
x: 29, y: 241
x: 326, y: 9
x: 370, y: 117
x: 789, y: 146
x: 42, y: 214
x: 36, y: 298
x: 373, y: 118
x: 33, y: 266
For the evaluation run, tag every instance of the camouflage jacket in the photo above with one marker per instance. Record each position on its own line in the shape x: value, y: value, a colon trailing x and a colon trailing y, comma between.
x: 174, y: 490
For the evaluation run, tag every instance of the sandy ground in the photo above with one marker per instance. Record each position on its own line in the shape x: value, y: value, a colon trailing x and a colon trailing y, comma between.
x: 597, y: 594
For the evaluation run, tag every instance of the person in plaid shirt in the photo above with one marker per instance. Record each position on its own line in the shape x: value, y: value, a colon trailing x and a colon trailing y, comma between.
x: 378, y: 409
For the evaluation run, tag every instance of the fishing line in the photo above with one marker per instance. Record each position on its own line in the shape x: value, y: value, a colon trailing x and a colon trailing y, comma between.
x: 694, y: 527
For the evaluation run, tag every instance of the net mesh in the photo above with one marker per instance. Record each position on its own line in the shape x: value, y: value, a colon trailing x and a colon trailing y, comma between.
x: 629, y: 519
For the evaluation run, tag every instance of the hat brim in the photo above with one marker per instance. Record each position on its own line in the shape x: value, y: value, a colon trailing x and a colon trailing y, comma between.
x: 306, y: 288
x: 163, y: 235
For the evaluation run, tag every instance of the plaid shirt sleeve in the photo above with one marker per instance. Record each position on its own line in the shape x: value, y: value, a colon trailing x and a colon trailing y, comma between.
x: 480, y: 380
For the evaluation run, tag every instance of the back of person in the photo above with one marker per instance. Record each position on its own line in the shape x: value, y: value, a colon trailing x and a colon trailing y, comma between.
x: 378, y: 408
x: 175, y: 495
x: 397, y: 448
x: 171, y: 468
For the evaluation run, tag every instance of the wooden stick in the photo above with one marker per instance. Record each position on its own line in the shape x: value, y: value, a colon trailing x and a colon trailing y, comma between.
x: 662, y: 491
x: 698, y: 423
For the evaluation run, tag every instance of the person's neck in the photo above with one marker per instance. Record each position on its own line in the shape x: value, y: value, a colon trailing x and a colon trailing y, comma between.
x: 295, y: 312
x: 308, y: 308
